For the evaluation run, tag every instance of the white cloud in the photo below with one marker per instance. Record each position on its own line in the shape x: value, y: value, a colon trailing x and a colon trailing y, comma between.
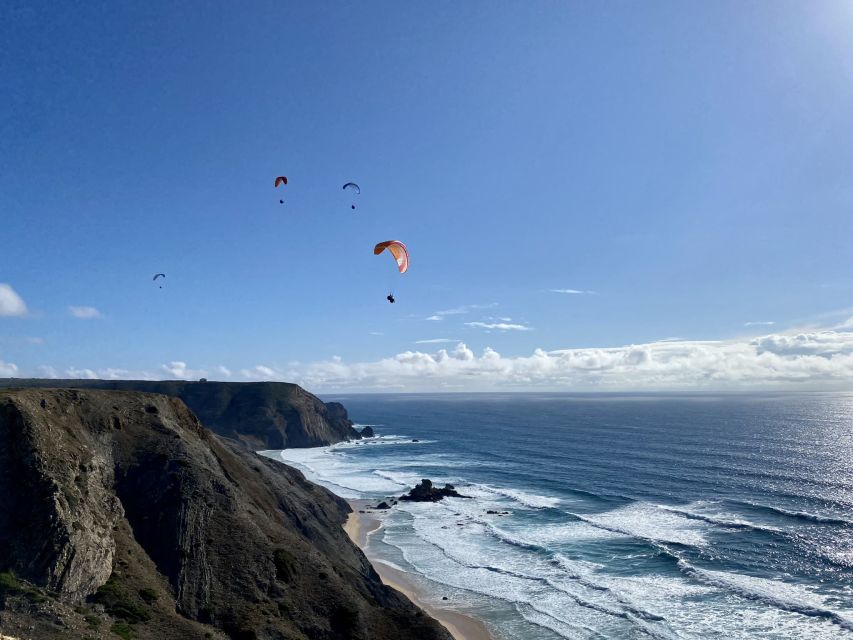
x: 36, y: 340
x: 436, y: 341
x: 376, y: 333
x: 440, y: 315
x: 755, y: 323
x: 8, y: 370
x: 817, y: 360
x: 11, y: 304
x: 260, y: 372
x: 821, y: 343
x: 579, y: 292
x: 811, y: 359
x: 500, y: 326
x: 74, y: 372
x: 225, y: 371
x: 48, y: 372
x: 107, y: 373
x: 122, y: 374
x: 179, y: 370
x: 84, y: 313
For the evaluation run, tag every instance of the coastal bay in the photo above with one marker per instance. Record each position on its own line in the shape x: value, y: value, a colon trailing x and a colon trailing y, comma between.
x: 359, y: 526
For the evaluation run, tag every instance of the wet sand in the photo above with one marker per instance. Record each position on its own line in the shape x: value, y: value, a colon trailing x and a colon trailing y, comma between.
x: 359, y: 526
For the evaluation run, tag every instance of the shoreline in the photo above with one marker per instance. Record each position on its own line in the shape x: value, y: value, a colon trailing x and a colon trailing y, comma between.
x: 461, y: 626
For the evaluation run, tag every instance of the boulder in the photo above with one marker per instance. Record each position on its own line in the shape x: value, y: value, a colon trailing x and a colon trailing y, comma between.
x: 426, y: 492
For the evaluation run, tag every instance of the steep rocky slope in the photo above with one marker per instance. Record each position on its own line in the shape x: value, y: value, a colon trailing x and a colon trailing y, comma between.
x: 121, y: 516
x: 261, y: 415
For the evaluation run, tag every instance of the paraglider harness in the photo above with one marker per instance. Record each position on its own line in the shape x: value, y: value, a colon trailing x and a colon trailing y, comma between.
x: 390, y: 298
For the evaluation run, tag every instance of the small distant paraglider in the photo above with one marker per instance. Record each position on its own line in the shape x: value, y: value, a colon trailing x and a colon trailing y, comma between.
x: 159, y: 275
x: 278, y: 182
x: 400, y: 254
x: 353, y: 187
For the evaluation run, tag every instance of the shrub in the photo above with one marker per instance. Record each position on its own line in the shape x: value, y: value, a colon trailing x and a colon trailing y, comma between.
x: 92, y: 621
x: 10, y: 586
x: 285, y: 565
x: 123, y: 630
x: 149, y: 595
x: 9, y: 583
x: 119, y: 604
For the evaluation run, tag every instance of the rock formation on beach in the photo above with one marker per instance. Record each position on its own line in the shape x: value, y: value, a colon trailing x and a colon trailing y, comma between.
x: 426, y: 492
x: 261, y: 415
x: 367, y: 432
x: 121, y: 516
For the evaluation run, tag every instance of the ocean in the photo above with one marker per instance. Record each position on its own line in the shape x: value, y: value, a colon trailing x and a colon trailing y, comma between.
x: 626, y: 516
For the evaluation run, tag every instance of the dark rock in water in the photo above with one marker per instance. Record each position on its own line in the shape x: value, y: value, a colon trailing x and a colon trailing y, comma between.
x: 367, y: 432
x: 444, y: 597
x: 425, y: 492
x: 497, y: 513
x: 259, y: 415
x: 383, y: 505
x: 117, y: 517
x: 415, y: 440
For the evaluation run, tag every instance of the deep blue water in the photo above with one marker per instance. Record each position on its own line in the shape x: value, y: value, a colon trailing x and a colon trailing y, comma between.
x: 629, y: 516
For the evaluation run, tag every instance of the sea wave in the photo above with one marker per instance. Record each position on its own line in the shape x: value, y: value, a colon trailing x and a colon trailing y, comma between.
x: 555, y: 569
x: 732, y: 522
x: 379, y: 441
x: 645, y: 521
x: 524, y: 498
x: 402, y: 479
x: 771, y: 592
x: 797, y: 515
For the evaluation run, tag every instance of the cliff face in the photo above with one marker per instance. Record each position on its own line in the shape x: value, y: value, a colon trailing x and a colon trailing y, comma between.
x: 120, y: 515
x: 261, y: 415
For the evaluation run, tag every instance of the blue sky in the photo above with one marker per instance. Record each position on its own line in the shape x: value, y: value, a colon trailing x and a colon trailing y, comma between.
x: 687, y: 166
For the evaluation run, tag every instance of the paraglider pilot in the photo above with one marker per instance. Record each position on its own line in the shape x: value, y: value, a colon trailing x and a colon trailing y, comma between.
x: 390, y: 298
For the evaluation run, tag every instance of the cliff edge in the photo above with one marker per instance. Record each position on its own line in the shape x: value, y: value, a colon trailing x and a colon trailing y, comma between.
x: 261, y: 415
x: 122, y: 516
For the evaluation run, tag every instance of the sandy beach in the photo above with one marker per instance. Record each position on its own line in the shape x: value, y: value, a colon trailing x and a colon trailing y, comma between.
x: 359, y: 526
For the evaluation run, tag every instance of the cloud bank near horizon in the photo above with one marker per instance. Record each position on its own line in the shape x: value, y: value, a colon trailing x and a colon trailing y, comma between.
x: 817, y: 359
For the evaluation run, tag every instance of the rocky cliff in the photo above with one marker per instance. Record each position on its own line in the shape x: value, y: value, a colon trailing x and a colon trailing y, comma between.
x: 261, y: 415
x: 122, y: 516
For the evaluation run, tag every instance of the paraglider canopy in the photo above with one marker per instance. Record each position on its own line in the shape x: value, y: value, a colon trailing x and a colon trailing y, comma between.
x: 159, y: 275
x: 280, y: 181
x: 354, y: 187
x: 398, y: 250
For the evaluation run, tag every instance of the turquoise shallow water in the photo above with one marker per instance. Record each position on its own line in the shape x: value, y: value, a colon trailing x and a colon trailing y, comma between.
x: 628, y: 516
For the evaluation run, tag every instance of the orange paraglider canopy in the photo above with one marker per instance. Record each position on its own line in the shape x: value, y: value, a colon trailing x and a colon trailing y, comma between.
x: 398, y: 250
x: 281, y: 180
